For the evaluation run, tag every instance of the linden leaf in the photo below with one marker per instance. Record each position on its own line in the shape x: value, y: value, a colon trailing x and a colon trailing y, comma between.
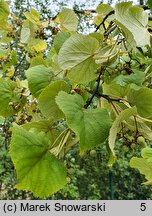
x: 37, y: 169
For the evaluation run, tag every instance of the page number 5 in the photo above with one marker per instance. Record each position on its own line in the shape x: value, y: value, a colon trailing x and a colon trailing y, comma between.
x: 143, y: 206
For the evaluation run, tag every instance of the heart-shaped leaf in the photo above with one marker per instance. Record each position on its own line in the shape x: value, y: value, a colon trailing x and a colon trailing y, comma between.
x: 76, y: 56
x: 38, y: 78
x: 46, y: 100
x: 133, y: 21
x: 68, y: 20
x: 142, y: 99
x: 91, y: 125
x: 144, y: 164
x: 37, y: 169
x: 11, y: 100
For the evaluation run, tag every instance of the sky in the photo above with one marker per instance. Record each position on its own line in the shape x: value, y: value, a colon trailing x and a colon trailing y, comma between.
x: 88, y: 3
x: 93, y: 4
x: 54, y: 6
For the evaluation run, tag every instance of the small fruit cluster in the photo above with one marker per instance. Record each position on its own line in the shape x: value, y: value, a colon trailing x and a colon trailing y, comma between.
x: 130, y: 143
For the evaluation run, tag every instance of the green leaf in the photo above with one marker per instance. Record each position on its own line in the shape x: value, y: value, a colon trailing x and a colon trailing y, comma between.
x: 143, y: 166
x: 13, y: 59
x: 114, y: 90
x: 60, y: 38
x: 39, y: 45
x: 135, y: 20
x: 38, y: 78
x: 10, y: 98
x: 131, y: 43
x: 2, y: 120
x: 46, y: 100
x: 3, y: 53
x: 68, y: 20
x: 77, y: 56
x: 91, y: 125
x: 137, y: 77
x: 43, y: 125
x: 25, y: 34
x: 149, y: 3
x: 142, y: 99
x: 33, y: 16
x: 104, y: 9
x: 97, y: 36
x: 106, y: 55
x: 37, y: 60
x: 147, y: 154
x: 28, y: 33
x: 35, y: 44
x: 124, y: 115
x: 4, y: 10
x: 55, y: 65
x: 37, y: 169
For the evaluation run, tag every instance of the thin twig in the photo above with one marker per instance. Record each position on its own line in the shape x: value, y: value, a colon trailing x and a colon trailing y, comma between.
x: 109, y: 99
x: 136, y: 125
x: 109, y: 30
x: 113, y: 105
x: 95, y: 90
x: 104, y: 19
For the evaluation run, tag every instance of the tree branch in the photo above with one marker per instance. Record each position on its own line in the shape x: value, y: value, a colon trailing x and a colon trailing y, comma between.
x: 109, y: 99
x: 104, y: 19
x: 96, y: 93
x: 95, y: 90
x: 109, y: 30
